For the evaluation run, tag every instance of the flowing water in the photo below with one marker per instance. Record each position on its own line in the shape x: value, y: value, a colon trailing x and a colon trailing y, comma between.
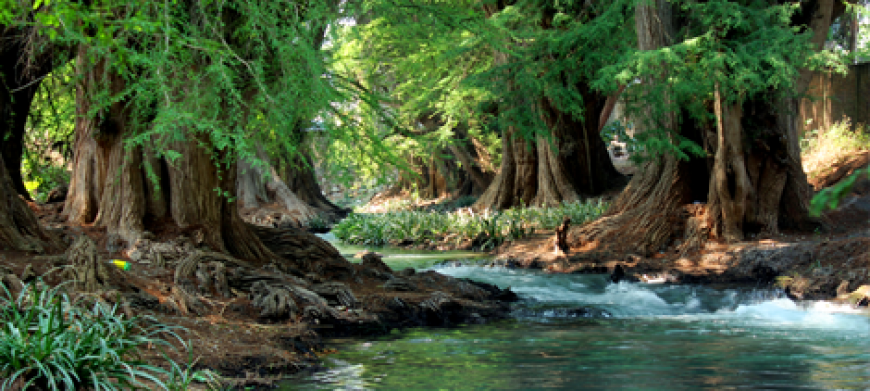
x: 580, y: 331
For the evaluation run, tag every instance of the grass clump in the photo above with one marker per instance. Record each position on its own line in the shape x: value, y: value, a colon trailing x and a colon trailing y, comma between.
x: 52, y: 342
x: 486, y: 230
x: 821, y: 150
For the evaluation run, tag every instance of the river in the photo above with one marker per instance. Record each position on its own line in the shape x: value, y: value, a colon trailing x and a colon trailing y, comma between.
x: 580, y: 331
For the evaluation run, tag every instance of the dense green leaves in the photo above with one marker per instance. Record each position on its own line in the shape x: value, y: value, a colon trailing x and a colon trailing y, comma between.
x: 487, y: 230
x: 49, y: 340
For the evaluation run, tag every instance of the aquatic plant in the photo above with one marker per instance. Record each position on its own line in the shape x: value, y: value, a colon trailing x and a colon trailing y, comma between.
x: 487, y: 229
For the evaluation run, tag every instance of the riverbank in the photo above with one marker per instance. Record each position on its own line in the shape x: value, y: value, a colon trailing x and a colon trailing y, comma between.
x: 828, y: 265
x: 252, y: 323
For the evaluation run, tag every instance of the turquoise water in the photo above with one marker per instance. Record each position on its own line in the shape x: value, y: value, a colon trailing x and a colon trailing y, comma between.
x: 399, y: 259
x: 581, y: 332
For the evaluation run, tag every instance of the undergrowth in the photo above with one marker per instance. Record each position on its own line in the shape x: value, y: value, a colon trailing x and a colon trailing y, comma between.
x: 51, y: 341
x: 486, y: 230
x: 822, y: 150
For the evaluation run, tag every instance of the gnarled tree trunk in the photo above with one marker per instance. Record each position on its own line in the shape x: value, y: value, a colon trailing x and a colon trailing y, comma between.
x: 573, y: 162
x: 301, y: 180
x: 740, y: 189
x: 22, y: 69
x: 110, y: 187
x: 264, y: 192
x: 19, y: 228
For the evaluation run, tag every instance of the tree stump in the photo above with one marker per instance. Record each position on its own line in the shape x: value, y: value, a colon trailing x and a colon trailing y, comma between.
x: 562, y: 235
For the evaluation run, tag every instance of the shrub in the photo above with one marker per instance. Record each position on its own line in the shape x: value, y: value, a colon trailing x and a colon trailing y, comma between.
x: 49, y: 341
x: 821, y: 150
x: 488, y: 229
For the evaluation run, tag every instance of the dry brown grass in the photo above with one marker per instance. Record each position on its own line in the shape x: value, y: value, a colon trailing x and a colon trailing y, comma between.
x: 822, y: 150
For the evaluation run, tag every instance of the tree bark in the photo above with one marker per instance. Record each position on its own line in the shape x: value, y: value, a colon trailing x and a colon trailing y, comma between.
x: 19, y: 228
x: 640, y: 220
x: 110, y: 187
x: 571, y: 163
x: 444, y: 175
x: 259, y: 187
x: 755, y: 188
x: 22, y: 68
x: 478, y: 178
x: 301, y: 180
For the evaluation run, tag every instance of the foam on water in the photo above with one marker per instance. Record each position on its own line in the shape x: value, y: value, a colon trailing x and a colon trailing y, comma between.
x: 581, y: 331
x: 690, y: 303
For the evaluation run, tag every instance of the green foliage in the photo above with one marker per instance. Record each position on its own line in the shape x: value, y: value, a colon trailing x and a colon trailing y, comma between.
x: 235, y: 75
x: 49, y: 340
x: 487, y: 229
x: 318, y: 223
x: 829, y: 198
x: 465, y: 62
x: 50, y: 134
x: 748, y: 50
x: 179, y: 378
x: 618, y: 131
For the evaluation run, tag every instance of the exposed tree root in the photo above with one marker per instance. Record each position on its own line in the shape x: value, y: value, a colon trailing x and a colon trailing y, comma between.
x: 644, y: 217
x: 12, y: 284
x: 86, y: 269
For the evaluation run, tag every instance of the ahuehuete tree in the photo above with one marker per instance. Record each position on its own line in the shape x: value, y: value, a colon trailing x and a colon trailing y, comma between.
x: 521, y: 67
x: 549, y: 105
x: 444, y: 155
x: 23, y: 64
x: 171, y: 97
x: 288, y: 180
x: 725, y: 77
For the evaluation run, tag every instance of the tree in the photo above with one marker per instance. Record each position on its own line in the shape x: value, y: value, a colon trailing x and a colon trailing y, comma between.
x: 19, y: 228
x: 168, y: 106
x: 540, y: 79
x: 23, y: 65
x: 747, y: 73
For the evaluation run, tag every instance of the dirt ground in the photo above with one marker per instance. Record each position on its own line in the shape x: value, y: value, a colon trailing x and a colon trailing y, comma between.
x: 246, y: 331
x: 822, y: 265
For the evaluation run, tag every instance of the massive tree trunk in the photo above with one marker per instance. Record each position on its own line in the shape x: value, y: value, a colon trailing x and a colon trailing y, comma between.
x: 265, y: 198
x: 22, y: 69
x: 741, y: 189
x: 301, y: 179
x: 442, y: 175
x: 110, y: 187
x: 462, y: 168
x: 19, y: 228
x: 477, y: 170
x: 571, y: 163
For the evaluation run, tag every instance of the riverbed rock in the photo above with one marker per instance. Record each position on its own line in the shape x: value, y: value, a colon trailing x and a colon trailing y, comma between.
x: 618, y: 274
x: 375, y: 261
x: 407, y: 272
x: 432, y: 306
x: 505, y: 295
x: 400, y: 285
